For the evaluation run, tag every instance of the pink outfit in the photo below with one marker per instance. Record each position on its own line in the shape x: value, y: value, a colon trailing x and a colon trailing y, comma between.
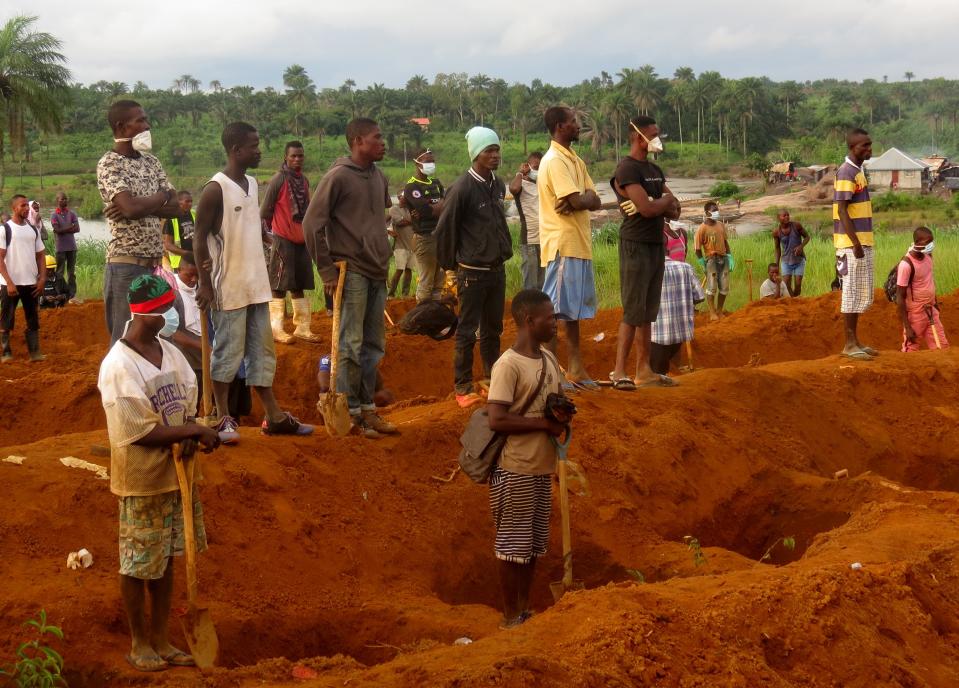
x: 675, y: 246
x: 920, y: 302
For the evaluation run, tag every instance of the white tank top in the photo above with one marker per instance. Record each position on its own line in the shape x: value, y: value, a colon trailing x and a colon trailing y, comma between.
x: 239, y: 264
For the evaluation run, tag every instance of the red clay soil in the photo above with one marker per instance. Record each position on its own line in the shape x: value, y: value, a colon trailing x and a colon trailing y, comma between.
x: 350, y: 561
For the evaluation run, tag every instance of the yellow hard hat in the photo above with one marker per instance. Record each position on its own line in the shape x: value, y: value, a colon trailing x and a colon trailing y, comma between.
x: 51, y: 263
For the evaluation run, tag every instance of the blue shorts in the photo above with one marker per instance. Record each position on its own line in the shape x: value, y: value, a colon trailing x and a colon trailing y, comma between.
x: 571, y: 287
x: 797, y: 269
x: 243, y: 337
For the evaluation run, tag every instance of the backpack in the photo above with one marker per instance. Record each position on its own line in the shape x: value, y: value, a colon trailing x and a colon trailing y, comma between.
x: 8, y: 233
x: 435, y: 319
x: 891, y: 286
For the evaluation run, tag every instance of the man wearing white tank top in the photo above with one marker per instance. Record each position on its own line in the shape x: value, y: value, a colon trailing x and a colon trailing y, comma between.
x: 228, y: 243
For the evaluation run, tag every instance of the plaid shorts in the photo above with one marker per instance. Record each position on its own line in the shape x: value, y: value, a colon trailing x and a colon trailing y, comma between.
x: 151, y: 531
x: 857, y: 283
x: 520, y: 506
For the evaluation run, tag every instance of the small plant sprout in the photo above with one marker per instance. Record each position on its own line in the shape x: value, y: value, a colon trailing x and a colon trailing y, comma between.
x: 692, y: 544
x: 789, y: 542
x: 637, y: 575
x: 37, y: 665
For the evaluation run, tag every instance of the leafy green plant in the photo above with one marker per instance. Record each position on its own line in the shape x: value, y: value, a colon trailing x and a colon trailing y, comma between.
x: 724, y: 189
x: 692, y: 544
x: 789, y: 542
x: 37, y: 665
x: 637, y: 575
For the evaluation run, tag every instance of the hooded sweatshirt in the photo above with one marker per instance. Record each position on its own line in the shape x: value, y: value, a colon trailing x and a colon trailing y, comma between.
x: 346, y: 220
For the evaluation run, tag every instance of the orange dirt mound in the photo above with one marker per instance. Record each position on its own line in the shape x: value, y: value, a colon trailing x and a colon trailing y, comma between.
x: 352, y: 559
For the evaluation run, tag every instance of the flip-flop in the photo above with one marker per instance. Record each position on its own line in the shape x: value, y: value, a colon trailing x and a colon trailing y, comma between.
x: 587, y: 384
x: 661, y: 381
x: 857, y: 356
x: 140, y: 664
x: 179, y: 658
x: 624, y: 384
x: 869, y: 350
x: 569, y: 388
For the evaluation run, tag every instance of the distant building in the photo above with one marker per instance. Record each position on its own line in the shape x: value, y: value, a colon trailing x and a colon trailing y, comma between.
x: 422, y: 122
x: 937, y: 164
x: 894, y: 170
x: 814, y: 173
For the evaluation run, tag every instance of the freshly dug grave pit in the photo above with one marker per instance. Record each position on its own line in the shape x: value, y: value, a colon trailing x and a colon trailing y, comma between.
x: 322, y: 547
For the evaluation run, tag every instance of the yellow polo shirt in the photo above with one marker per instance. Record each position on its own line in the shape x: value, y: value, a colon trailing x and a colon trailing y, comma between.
x: 561, y: 173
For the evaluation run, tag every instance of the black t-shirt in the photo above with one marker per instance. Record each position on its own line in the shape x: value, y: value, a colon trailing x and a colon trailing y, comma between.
x: 420, y: 196
x: 647, y: 230
x: 186, y: 230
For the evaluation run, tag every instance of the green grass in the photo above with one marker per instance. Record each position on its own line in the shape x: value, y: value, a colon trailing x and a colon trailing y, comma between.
x: 820, y: 264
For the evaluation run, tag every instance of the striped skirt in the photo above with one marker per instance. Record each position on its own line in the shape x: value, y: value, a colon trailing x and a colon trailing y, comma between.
x: 521, y: 505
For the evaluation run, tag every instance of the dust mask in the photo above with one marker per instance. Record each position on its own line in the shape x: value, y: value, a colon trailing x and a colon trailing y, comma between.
x: 652, y: 145
x: 429, y: 168
x: 142, y: 142
x: 533, y: 174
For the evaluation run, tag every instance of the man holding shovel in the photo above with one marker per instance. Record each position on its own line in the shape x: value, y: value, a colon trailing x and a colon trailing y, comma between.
x: 345, y: 222
x: 916, y: 296
x: 521, y: 482
x: 149, y: 395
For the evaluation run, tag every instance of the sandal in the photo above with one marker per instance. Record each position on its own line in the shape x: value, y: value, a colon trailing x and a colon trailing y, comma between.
x: 587, y: 384
x: 660, y: 381
x: 147, y: 664
x: 179, y: 658
x: 623, y: 384
x: 857, y: 355
x: 869, y: 350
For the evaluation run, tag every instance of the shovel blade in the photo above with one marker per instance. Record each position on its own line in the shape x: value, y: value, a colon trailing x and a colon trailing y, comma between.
x: 559, y: 588
x: 201, y: 637
x: 336, y: 415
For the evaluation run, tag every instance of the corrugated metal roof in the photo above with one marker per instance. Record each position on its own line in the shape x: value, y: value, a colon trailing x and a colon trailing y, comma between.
x: 893, y: 160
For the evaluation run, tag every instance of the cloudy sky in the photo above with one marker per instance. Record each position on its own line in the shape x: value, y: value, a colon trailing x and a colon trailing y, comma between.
x: 245, y: 42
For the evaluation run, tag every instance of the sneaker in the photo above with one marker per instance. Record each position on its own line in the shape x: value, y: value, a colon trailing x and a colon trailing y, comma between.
x: 288, y: 426
x: 362, y: 428
x: 384, y: 427
x: 228, y: 430
x: 467, y: 400
x: 75, y: 301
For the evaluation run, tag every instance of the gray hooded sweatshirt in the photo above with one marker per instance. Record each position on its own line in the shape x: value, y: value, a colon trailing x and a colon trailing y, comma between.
x: 346, y: 220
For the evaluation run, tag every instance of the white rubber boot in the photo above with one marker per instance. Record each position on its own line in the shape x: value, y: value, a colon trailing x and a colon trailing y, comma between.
x: 301, y: 318
x: 277, y: 315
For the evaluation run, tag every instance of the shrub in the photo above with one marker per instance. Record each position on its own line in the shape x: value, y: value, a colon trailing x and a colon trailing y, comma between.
x: 725, y: 190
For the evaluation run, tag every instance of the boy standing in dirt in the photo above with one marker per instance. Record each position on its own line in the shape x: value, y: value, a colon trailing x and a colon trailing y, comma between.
x: 149, y: 395
x: 521, y: 482
x: 715, y: 257
x: 23, y: 275
x: 916, y: 296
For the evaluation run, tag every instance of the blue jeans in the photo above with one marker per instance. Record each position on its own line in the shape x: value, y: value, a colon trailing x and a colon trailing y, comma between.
x: 362, y: 340
x: 117, y: 278
x: 533, y: 274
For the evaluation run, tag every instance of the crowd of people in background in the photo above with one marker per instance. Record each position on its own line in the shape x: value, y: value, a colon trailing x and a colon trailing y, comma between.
x: 174, y: 272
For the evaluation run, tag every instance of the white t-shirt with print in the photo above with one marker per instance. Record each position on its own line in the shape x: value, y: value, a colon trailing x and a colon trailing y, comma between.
x: 21, y: 258
x: 137, y: 396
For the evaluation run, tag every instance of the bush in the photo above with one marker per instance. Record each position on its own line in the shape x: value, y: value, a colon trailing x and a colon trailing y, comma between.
x: 892, y: 200
x: 725, y: 190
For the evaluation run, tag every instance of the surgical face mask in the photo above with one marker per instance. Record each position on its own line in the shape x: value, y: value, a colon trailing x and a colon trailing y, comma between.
x: 533, y: 174
x: 653, y: 146
x: 171, y: 321
x: 927, y: 249
x: 429, y: 168
x: 142, y: 142
x: 714, y: 215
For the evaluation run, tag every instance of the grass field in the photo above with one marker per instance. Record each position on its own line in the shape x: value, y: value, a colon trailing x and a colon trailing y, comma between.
x: 820, y: 264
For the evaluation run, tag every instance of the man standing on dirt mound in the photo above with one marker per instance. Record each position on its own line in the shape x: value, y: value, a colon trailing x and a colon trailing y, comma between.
x: 424, y: 197
x: 291, y: 270
x: 346, y: 221
x: 853, y: 239
x: 472, y: 237
x: 149, y: 395
x: 566, y: 197
x: 520, y: 485
x: 646, y: 202
x: 137, y: 194
x: 229, y: 239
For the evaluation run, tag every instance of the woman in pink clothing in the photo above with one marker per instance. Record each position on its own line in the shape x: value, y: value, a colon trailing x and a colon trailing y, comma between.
x: 675, y: 237
x: 916, y: 296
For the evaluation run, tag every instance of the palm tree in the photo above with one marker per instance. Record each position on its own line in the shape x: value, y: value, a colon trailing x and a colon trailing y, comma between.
x: 216, y: 86
x: 300, y: 91
x: 186, y: 83
x: 33, y: 81
x: 909, y: 76
x: 677, y: 98
x: 417, y: 84
x: 617, y: 108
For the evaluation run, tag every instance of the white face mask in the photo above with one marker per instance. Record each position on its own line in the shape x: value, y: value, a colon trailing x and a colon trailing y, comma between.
x: 714, y: 215
x: 533, y: 174
x: 142, y: 142
x: 429, y: 168
x: 653, y: 146
x: 927, y: 249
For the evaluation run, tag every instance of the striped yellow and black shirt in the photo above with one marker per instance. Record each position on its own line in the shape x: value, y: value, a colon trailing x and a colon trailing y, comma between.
x: 851, y: 186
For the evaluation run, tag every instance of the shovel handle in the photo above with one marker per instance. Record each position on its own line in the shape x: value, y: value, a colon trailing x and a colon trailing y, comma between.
x: 205, y: 354
x: 186, y: 497
x: 337, y: 310
x: 567, y: 536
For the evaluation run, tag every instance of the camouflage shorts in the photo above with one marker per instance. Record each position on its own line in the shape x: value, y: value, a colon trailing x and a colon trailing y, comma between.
x: 151, y: 531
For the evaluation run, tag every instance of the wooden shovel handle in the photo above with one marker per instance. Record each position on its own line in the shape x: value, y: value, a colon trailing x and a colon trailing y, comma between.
x: 205, y: 355
x: 337, y: 309
x: 567, y: 536
x: 186, y: 497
